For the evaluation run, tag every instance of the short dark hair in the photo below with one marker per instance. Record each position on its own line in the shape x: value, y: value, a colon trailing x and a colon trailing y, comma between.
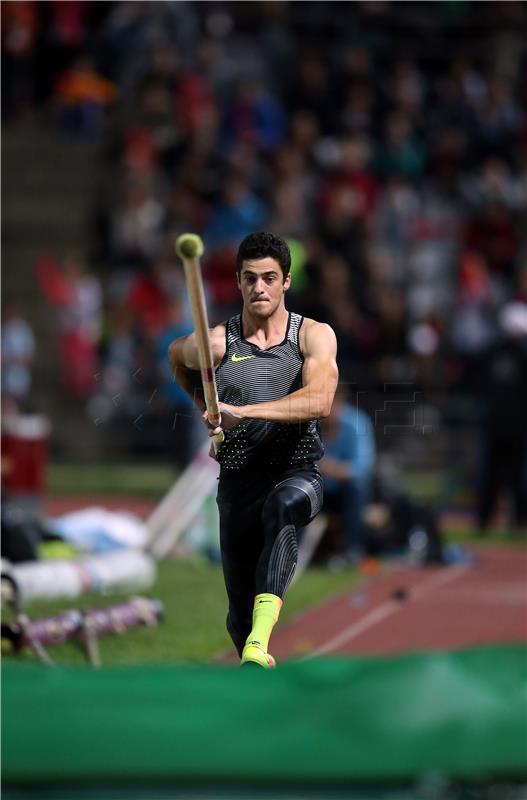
x: 264, y: 245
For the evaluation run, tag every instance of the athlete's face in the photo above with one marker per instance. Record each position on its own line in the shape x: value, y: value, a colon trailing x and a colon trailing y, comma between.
x: 262, y: 286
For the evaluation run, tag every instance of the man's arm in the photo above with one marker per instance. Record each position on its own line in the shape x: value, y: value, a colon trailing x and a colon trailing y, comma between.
x: 314, y: 399
x: 184, y: 362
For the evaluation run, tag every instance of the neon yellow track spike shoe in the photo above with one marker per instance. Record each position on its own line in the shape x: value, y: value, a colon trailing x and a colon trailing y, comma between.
x: 254, y: 654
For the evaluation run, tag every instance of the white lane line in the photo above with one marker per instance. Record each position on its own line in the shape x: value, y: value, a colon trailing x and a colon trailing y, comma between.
x: 352, y: 631
x: 386, y: 609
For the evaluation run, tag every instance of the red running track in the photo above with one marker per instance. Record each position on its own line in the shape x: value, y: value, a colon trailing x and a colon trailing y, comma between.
x: 405, y: 609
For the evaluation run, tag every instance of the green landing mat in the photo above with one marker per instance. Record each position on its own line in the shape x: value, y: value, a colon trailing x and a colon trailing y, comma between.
x: 319, y: 722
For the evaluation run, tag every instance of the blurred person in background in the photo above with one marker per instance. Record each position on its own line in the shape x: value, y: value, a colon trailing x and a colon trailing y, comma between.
x: 293, y: 188
x: 76, y: 295
x: 149, y: 296
x: 18, y: 352
x: 348, y: 469
x: 495, y: 182
x: 67, y: 28
x: 135, y: 224
x: 309, y: 92
x: 390, y: 343
x: 502, y: 389
x: 498, y: 117
x: 255, y: 116
x: 119, y: 352
x: 177, y: 409
x: 492, y: 232
x: 156, y: 119
x: 472, y: 326
x: 238, y: 212
x: 217, y: 268
x: 401, y: 153
x: 82, y: 96
x: 20, y: 26
x: 350, y: 176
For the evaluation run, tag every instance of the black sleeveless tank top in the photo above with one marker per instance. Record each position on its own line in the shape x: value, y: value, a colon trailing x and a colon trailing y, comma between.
x: 249, y: 375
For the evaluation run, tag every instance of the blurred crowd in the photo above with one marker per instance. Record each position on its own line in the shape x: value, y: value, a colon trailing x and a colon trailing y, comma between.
x: 386, y: 142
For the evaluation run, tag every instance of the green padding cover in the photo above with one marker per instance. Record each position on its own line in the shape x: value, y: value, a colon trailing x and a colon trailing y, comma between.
x: 462, y: 713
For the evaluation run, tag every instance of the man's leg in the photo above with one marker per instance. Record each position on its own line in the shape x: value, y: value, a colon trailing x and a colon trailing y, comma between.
x: 239, y: 583
x: 241, y: 544
x: 290, y: 504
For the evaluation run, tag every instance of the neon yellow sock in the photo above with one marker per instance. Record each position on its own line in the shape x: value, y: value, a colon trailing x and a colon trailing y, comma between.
x: 265, y: 615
